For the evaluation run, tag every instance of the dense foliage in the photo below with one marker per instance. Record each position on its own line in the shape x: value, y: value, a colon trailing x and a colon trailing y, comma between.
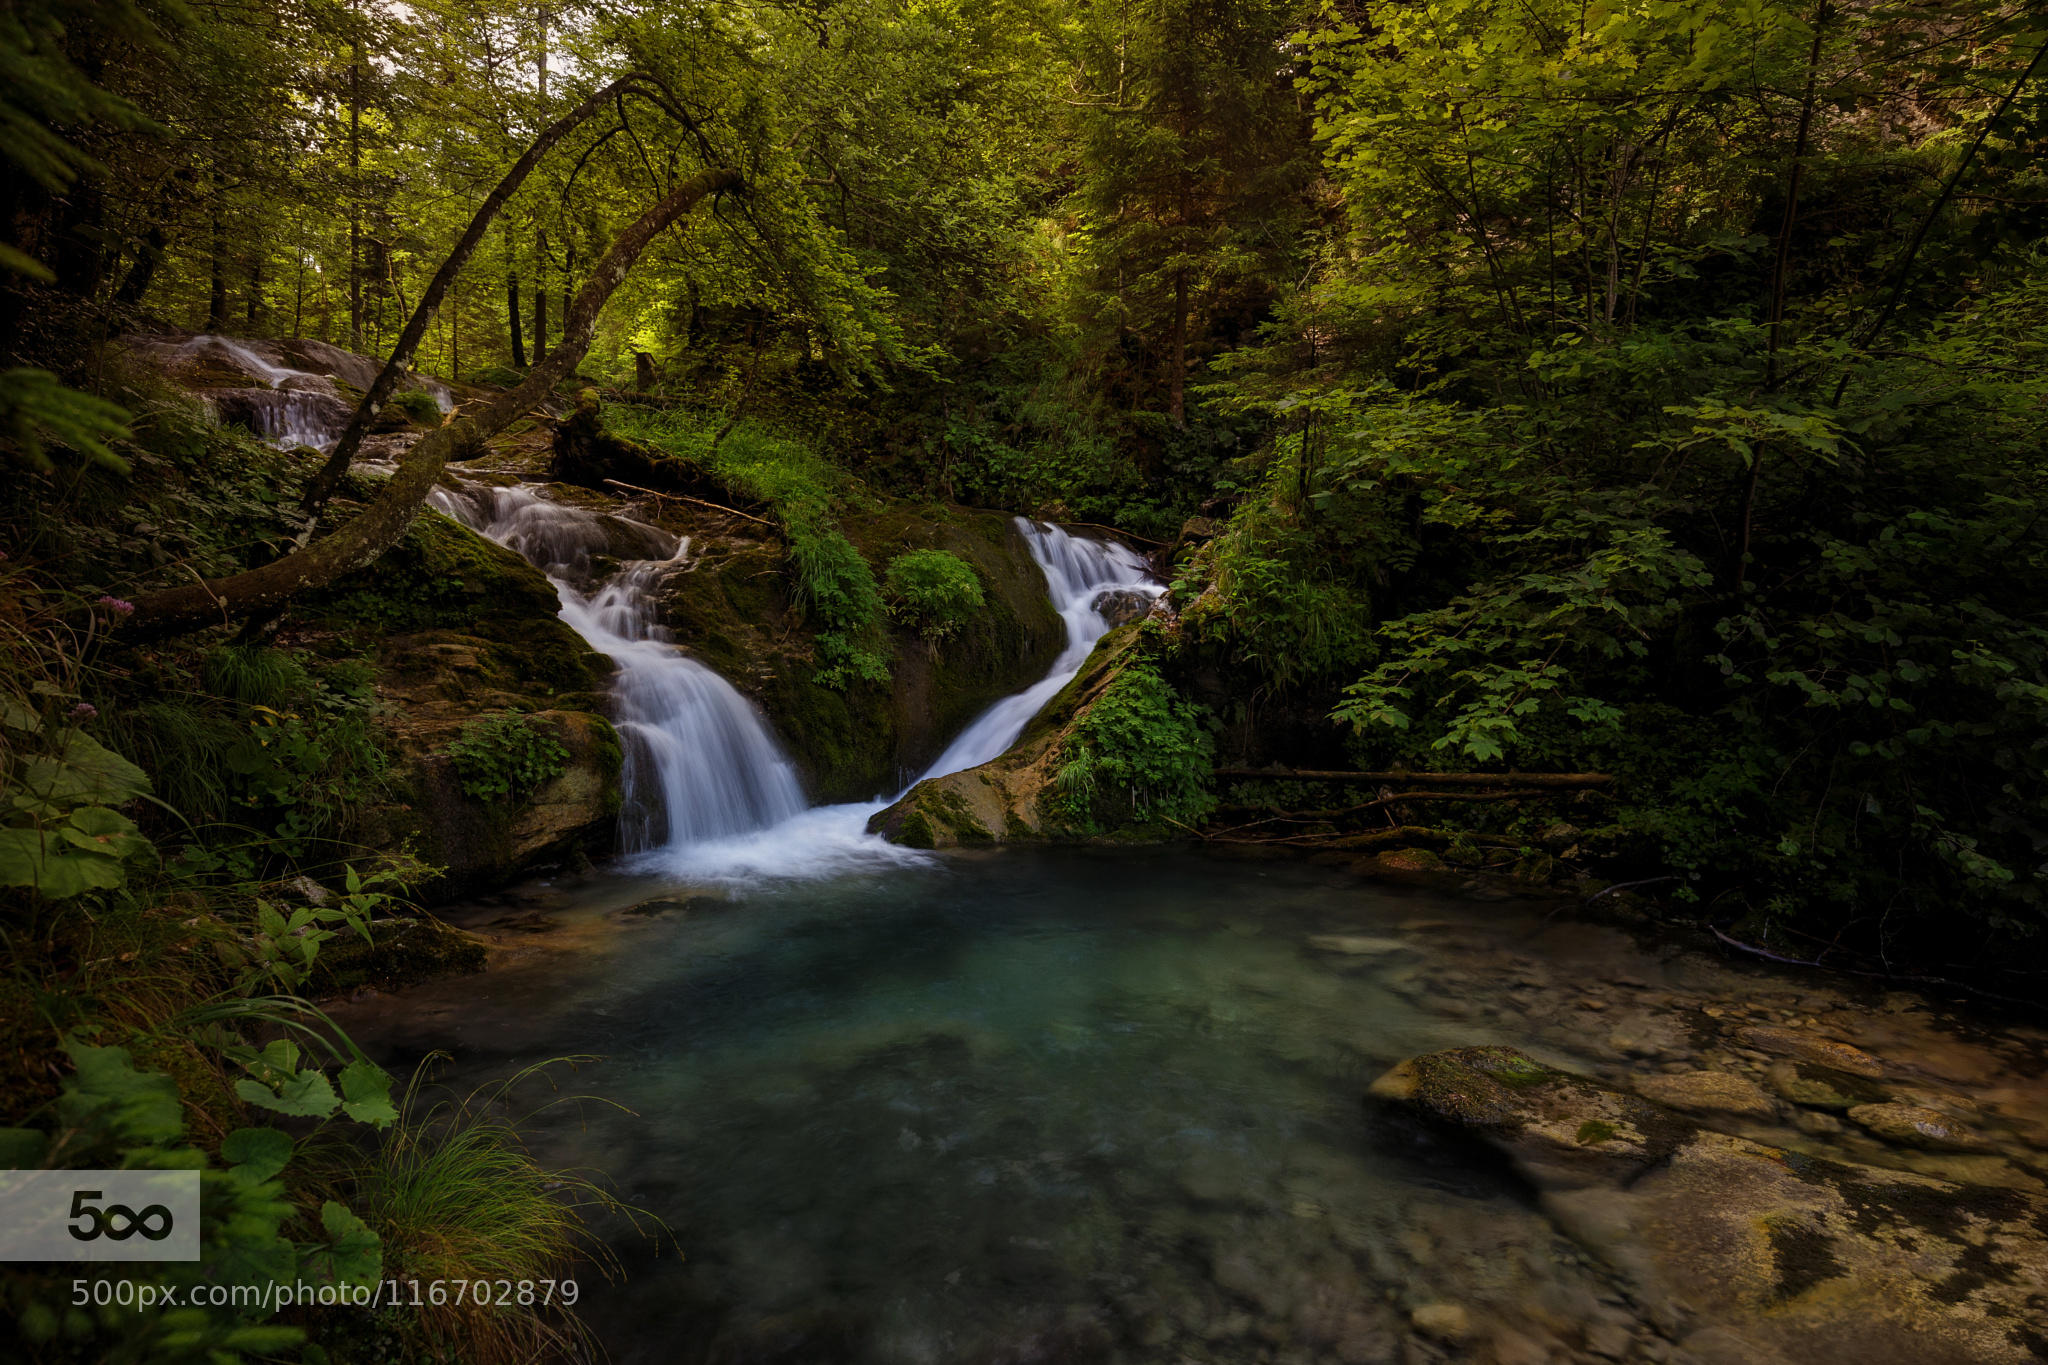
x: 505, y: 756
x: 1632, y: 388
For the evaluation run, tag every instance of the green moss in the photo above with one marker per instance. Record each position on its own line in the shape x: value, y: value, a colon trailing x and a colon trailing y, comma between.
x: 400, y: 953
x: 1594, y: 1131
x: 444, y: 582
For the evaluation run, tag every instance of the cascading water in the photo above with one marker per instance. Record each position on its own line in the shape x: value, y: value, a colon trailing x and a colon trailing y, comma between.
x: 709, y: 793
x: 700, y: 763
x: 292, y: 407
x: 1082, y: 576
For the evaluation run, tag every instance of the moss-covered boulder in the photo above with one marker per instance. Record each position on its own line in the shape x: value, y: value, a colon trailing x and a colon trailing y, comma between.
x: 458, y: 627
x: 731, y: 605
x: 1747, y: 1252
x: 1007, y: 797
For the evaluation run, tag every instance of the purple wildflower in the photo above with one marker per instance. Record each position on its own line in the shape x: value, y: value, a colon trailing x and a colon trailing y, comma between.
x: 85, y: 710
x: 115, y: 604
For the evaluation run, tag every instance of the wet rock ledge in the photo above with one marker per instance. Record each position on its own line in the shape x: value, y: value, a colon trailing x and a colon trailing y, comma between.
x: 1746, y: 1253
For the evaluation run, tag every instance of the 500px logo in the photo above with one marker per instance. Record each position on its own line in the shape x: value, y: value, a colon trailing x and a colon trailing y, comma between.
x: 102, y: 1222
x: 99, y: 1215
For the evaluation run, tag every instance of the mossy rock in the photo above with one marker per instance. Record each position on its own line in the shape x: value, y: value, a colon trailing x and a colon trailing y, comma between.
x: 401, y: 952
x: 1767, y: 1254
x: 1004, y: 799
x: 734, y: 611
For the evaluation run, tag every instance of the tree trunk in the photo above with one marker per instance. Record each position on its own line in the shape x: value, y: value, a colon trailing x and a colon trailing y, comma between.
x: 136, y: 282
x: 330, y: 473
x: 355, y: 200
x: 1176, y: 403
x: 512, y: 314
x: 217, y: 290
x: 362, y: 540
x: 540, y: 296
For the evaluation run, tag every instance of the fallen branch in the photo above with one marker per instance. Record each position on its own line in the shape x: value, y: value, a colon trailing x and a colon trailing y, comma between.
x: 685, y: 497
x: 1397, y: 778
x: 1399, y: 798
x: 1113, y: 530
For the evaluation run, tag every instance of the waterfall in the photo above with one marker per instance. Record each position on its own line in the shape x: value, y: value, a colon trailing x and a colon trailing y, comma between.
x: 700, y: 762
x: 1083, y: 577
x: 709, y: 793
x: 293, y: 407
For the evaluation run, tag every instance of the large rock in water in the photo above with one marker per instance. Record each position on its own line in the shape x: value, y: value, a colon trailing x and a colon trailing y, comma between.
x: 1750, y: 1254
x: 1005, y: 798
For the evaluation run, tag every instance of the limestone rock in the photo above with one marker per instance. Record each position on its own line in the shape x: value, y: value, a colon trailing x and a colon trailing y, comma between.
x: 1749, y: 1252
x: 1444, y: 1321
x: 1820, y: 1087
x: 1708, y: 1092
x: 1911, y: 1125
x: 1811, y: 1047
x: 1357, y: 945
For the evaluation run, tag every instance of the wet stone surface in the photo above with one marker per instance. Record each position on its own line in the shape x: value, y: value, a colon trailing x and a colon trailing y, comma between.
x: 1077, y: 1106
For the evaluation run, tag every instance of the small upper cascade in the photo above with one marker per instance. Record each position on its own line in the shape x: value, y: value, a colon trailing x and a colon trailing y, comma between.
x: 700, y: 762
x: 1083, y: 577
x: 284, y: 401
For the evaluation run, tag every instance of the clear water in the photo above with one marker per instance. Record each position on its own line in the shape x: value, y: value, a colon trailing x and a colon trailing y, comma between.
x: 1033, y: 1105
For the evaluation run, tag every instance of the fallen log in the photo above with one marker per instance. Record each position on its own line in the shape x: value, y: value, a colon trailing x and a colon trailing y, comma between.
x: 1399, y: 778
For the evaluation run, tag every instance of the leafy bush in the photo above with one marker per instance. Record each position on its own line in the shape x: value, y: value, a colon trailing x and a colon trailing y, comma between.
x: 505, y: 754
x: 933, y: 590
x: 834, y: 583
x: 1140, y: 755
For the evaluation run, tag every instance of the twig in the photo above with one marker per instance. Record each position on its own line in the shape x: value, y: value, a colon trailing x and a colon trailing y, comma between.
x: 685, y: 497
x: 1113, y: 530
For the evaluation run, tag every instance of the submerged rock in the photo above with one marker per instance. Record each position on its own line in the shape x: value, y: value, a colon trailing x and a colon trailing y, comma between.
x: 1709, y: 1092
x: 1811, y: 1047
x: 1820, y: 1087
x: 1911, y: 1125
x: 1748, y: 1252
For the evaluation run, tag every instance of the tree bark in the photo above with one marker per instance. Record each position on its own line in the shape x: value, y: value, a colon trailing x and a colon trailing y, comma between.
x: 217, y: 284
x: 355, y: 199
x: 540, y: 296
x: 322, y: 484
x: 362, y: 540
x: 512, y: 319
x: 137, y: 281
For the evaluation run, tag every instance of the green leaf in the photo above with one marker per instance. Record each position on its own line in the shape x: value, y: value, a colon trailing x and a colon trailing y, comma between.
x: 356, y: 1255
x: 140, y: 1106
x: 257, y: 1154
x: 32, y: 858
x: 367, y: 1091
x: 83, y: 772
x: 307, y: 1094
x: 22, y: 1148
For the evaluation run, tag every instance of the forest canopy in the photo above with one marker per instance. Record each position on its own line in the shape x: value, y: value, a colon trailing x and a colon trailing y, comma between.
x: 1644, y: 388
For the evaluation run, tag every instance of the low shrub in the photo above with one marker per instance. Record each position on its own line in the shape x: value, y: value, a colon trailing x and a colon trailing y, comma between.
x: 933, y: 590
x: 506, y: 755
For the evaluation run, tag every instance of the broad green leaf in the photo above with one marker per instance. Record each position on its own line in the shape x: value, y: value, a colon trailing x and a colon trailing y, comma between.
x: 366, y: 1091
x: 257, y: 1154
x: 139, y: 1106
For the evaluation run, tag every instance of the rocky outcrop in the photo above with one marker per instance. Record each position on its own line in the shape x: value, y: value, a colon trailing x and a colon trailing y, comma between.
x: 1005, y: 798
x: 1751, y: 1253
x: 297, y: 391
x: 458, y: 627
x: 730, y: 605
